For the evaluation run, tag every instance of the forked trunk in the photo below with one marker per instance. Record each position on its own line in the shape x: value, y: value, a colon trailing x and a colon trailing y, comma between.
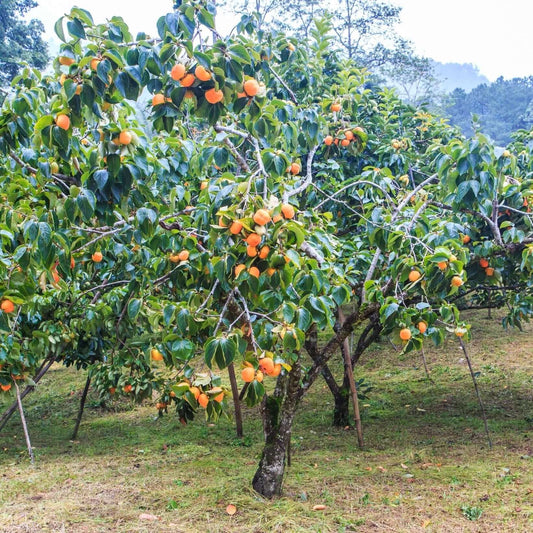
x: 278, y: 415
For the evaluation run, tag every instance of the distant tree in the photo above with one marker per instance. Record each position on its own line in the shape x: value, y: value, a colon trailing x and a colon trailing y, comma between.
x: 20, y: 40
x: 501, y: 107
x: 364, y: 28
x: 413, y: 76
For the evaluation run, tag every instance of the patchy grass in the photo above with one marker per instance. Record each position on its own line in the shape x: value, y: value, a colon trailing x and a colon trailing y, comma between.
x: 426, y: 465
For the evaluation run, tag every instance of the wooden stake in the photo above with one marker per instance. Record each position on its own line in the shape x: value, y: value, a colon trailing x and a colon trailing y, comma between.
x: 480, y: 401
x: 423, y: 353
x: 8, y: 413
x: 24, y: 425
x: 345, y: 348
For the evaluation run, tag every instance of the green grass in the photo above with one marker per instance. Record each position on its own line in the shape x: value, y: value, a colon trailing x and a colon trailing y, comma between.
x: 426, y: 464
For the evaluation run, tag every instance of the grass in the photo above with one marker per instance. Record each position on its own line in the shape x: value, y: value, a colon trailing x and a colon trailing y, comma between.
x: 426, y: 464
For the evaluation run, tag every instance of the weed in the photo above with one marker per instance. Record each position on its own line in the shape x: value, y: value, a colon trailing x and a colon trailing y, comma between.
x: 472, y: 513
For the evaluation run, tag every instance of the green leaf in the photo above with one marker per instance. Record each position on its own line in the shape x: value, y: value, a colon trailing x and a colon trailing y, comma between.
x: 43, y: 122
x: 86, y: 202
x: 75, y: 28
x: 239, y: 53
x: 58, y: 28
x: 134, y: 306
x: 83, y: 15
x: 221, y: 350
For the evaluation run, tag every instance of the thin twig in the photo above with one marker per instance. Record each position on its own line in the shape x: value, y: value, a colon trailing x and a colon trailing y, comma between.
x: 282, y: 81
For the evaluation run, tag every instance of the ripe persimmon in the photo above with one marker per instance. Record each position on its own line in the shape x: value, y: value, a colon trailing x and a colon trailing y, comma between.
x: 259, y: 376
x: 345, y: 142
x: 183, y: 255
x: 203, y: 400
x: 335, y: 107
x: 158, y: 99
x: 405, y: 334
x: 251, y: 87
x: 251, y: 251
x: 253, y: 239
x: 266, y: 365
x: 156, y: 355
x: 220, y: 396
x: 66, y: 61
x: 125, y: 137
x: 195, y: 391
x: 276, y: 371
x: 263, y: 253
x: 489, y: 271
x: 178, y: 71
x: 7, y: 306
x: 63, y: 122
x: 288, y: 211
x: 239, y: 268
x: 202, y: 74
x: 97, y: 257
x: 294, y: 168
x: 262, y: 217
x: 213, y: 96
x: 466, y: 239
x: 457, y: 281
x: 187, y: 80
x: 328, y: 140
x: 254, y: 271
x: 414, y: 275
x: 5, y: 388
x: 422, y: 327
x: 443, y: 265
x: 483, y: 263
x: 236, y: 227
x: 248, y: 374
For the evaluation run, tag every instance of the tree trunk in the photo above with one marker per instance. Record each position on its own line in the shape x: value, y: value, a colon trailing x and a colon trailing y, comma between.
x: 278, y: 413
x: 341, y: 411
x: 82, y: 407
x: 236, y: 400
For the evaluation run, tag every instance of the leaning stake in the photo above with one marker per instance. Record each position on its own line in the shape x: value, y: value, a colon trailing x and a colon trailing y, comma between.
x: 24, y: 426
x: 463, y: 347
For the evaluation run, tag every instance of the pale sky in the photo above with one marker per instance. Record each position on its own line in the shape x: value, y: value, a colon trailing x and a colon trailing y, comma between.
x: 491, y: 34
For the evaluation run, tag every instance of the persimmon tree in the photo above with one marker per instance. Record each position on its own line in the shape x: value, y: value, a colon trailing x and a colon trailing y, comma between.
x: 266, y: 190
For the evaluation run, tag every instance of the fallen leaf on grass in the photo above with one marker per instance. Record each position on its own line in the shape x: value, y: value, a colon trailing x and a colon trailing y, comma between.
x: 381, y: 469
x: 231, y: 509
x: 148, y: 516
x: 368, y: 468
x: 405, y: 467
x: 426, y: 523
x: 319, y: 507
